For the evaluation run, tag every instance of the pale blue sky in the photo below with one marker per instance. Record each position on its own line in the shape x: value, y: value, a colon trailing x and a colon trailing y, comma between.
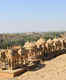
x: 32, y: 15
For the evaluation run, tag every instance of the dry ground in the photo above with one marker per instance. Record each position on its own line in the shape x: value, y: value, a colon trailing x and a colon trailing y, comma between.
x: 54, y: 69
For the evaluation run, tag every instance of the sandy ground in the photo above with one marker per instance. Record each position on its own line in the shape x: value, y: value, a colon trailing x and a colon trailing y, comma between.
x: 54, y: 69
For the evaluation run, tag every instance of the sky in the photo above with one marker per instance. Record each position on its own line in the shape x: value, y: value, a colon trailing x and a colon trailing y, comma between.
x: 32, y: 16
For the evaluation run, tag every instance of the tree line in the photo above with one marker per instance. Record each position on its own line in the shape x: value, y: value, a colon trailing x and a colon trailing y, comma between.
x: 8, y: 40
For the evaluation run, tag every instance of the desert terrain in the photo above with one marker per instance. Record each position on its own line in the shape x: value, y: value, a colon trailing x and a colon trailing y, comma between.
x: 54, y: 69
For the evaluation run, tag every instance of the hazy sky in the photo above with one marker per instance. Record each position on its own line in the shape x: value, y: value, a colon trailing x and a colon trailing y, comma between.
x: 32, y: 15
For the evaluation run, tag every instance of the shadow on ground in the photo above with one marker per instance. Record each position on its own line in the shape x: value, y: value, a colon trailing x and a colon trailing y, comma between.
x: 53, y: 55
x: 36, y: 67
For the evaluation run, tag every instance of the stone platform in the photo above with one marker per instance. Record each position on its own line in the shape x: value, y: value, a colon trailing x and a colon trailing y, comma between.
x: 11, y: 73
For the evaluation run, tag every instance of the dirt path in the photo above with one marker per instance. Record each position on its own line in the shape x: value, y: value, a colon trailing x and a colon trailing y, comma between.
x: 54, y: 70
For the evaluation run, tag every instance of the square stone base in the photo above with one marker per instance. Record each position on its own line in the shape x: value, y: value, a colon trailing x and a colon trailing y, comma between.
x: 11, y: 73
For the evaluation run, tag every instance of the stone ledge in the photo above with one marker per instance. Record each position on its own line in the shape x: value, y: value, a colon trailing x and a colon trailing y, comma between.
x: 11, y: 74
